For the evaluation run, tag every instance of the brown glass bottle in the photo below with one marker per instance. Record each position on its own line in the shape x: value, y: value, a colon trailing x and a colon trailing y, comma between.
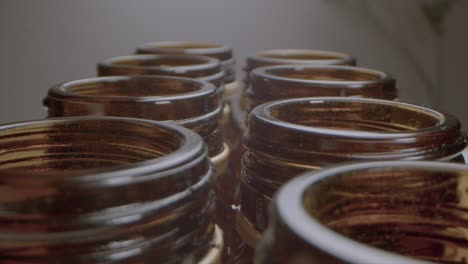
x: 105, y: 190
x: 294, y: 81
x: 377, y: 212
x: 190, y: 66
x: 285, y: 138
x: 186, y: 102
x: 220, y: 52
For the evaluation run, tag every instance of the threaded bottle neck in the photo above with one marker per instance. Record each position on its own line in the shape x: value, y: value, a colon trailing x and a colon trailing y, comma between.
x: 103, y: 188
x: 191, y: 103
x: 408, y: 208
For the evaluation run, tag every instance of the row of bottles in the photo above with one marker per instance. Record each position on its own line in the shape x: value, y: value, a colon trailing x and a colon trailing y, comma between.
x: 166, y: 158
x: 386, y: 212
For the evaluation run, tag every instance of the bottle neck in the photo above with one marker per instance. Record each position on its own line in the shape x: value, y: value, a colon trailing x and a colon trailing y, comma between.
x: 286, y: 138
x: 220, y: 52
x: 95, y: 188
x: 193, y: 104
x: 295, y: 81
x: 395, y: 206
x: 295, y: 56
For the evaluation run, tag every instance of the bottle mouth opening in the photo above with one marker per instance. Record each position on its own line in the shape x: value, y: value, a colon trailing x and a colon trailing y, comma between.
x: 192, y: 103
x: 82, y: 147
x: 163, y: 61
x: 367, y: 212
x: 319, y: 131
x: 325, y: 75
x: 297, y: 56
x: 97, y: 187
x: 358, y: 116
x: 134, y: 87
x: 187, y: 45
x: 221, y: 52
x: 312, y: 55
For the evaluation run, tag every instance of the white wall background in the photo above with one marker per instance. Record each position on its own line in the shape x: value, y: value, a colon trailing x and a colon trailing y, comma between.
x: 49, y: 41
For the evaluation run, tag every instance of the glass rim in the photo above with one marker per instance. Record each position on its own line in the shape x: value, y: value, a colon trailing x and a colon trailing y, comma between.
x: 200, y: 62
x: 61, y: 91
x: 266, y: 72
x: 262, y: 56
x: 204, y: 48
x: 263, y: 113
x: 289, y: 206
x: 191, y: 148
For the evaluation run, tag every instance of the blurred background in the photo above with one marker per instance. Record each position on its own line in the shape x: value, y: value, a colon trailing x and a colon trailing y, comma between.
x: 423, y: 43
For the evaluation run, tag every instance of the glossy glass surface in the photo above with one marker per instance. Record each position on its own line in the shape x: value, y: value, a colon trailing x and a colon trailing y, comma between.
x: 194, y: 104
x: 285, y: 138
x: 104, y: 190
x: 218, y: 51
x: 297, y: 56
x: 294, y: 81
x: 190, y: 66
x: 365, y: 213
x: 190, y: 103
x: 294, y: 56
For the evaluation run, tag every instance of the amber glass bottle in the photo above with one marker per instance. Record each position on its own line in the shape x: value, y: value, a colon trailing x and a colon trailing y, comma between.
x: 294, y: 56
x: 220, y: 52
x: 285, y: 138
x: 190, y: 66
x: 186, y: 102
x: 232, y: 129
x: 105, y: 190
x: 293, y: 81
x: 387, y: 212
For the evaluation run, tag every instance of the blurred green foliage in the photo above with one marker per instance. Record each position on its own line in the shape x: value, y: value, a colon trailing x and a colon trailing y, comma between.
x: 435, y: 11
